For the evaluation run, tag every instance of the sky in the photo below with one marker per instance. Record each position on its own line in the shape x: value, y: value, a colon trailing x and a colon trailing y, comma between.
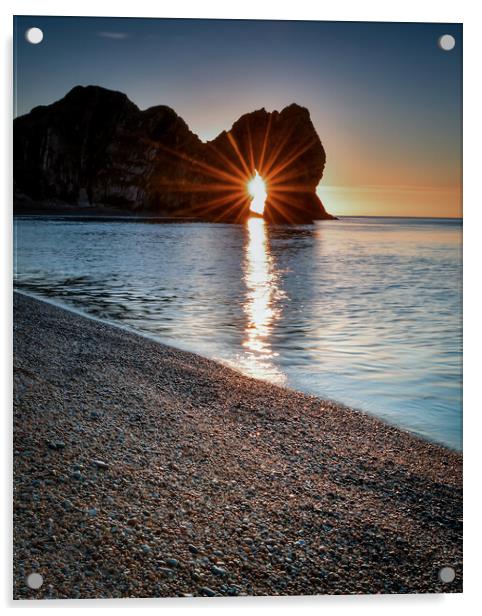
x: 383, y: 97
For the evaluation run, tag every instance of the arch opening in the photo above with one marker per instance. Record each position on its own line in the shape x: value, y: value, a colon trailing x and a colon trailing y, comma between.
x: 257, y: 191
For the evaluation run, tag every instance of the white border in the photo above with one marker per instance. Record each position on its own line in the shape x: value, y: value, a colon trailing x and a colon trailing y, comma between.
x: 350, y: 10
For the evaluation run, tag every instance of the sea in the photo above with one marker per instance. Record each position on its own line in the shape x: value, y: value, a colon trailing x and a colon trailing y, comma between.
x: 365, y: 311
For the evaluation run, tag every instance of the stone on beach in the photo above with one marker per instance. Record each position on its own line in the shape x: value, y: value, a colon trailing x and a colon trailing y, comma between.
x: 325, y: 499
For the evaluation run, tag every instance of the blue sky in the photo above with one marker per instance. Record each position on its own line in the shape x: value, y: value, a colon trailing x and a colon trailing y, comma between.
x: 384, y: 98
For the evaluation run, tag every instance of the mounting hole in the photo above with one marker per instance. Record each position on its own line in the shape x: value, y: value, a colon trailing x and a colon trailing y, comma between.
x: 34, y: 36
x: 446, y: 575
x: 34, y: 581
x: 446, y: 42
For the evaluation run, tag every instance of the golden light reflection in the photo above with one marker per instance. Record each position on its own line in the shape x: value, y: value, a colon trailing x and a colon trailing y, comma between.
x: 257, y: 190
x: 260, y: 306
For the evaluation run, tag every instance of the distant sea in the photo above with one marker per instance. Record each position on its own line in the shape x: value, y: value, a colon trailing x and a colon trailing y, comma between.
x: 365, y: 311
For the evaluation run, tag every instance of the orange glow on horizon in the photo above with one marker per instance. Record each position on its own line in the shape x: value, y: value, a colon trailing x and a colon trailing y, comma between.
x: 386, y: 200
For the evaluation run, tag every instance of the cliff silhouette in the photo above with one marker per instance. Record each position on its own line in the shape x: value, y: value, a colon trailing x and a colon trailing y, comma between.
x: 95, y: 147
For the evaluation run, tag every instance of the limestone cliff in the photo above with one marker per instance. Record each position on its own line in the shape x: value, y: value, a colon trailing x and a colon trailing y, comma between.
x: 95, y: 147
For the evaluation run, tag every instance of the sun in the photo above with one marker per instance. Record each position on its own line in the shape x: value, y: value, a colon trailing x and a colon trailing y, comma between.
x: 257, y: 190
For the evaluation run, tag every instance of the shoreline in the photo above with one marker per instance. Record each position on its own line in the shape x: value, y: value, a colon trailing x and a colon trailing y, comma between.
x: 212, y: 481
x: 129, y: 216
x: 144, y: 334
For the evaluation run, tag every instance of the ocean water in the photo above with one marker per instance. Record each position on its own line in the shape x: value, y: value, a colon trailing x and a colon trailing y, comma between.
x: 366, y: 311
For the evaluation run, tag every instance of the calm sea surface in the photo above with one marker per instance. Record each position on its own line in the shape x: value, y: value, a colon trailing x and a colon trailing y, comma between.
x: 366, y: 311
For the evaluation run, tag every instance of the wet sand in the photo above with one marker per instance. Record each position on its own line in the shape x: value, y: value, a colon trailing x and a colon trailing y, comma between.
x: 144, y: 471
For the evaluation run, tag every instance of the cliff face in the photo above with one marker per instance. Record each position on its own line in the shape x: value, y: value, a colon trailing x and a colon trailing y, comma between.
x: 95, y: 147
x: 287, y: 152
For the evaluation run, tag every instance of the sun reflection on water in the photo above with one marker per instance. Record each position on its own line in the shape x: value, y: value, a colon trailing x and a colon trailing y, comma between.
x: 260, y: 305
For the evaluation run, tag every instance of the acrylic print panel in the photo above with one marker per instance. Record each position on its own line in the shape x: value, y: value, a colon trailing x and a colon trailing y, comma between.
x: 237, y: 308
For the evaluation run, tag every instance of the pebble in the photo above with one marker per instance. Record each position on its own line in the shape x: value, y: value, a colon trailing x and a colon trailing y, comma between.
x: 345, y: 530
x: 100, y: 464
x: 56, y: 445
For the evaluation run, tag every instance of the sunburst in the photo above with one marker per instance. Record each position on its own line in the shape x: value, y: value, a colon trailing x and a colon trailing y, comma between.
x: 257, y: 190
x: 231, y: 185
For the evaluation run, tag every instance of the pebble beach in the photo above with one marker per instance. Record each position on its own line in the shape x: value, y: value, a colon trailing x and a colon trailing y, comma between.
x: 141, y: 470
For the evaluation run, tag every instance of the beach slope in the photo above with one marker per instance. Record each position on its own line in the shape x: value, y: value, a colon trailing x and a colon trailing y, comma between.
x: 144, y: 471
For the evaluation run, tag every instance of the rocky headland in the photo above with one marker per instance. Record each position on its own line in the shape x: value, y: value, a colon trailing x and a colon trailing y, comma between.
x: 94, y: 149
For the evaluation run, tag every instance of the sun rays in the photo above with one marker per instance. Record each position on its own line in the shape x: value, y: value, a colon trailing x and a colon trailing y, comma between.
x: 244, y: 176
